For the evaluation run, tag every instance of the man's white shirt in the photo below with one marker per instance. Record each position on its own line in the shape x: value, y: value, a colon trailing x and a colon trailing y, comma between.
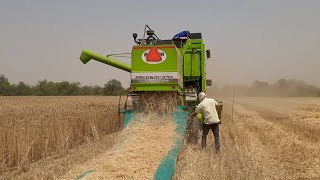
x: 208, y: 110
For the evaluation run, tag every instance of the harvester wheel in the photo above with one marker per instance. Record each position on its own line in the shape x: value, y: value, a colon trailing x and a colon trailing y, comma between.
x: 193, y: 131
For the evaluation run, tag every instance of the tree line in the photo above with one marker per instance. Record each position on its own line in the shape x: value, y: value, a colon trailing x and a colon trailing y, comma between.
x: 282, y: 87
x: 63, y: 88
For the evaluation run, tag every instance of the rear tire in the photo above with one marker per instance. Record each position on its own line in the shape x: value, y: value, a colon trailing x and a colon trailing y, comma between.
x: 193, y: 131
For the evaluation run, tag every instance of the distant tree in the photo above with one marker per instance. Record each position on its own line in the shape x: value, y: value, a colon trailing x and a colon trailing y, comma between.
x: 97, y: 90
x: 51, y: 89
x: 260, y: 84
x: 113, y: 87
x: 40, y: 89
x: 45, y: 88
x: 282, y: 83
x: 62, y: 88
x: 5, y: 87
x: 73, y: 89
x: 86, y: 90
x: 22, y: 89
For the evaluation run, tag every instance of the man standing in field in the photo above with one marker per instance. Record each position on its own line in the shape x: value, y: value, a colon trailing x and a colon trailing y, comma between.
x: 211, y: 121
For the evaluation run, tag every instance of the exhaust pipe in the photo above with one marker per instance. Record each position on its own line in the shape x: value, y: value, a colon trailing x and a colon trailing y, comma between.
x: 87, y: 55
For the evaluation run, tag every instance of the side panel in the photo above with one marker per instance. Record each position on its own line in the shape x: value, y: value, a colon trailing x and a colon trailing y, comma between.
x: 192, y: 64
x: 203, y: 69
x: 180, y: 68
x: 155, y: 73
x: 167, y: 64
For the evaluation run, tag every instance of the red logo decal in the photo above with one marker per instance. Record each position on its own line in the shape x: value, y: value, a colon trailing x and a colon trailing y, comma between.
x: 153, y: 55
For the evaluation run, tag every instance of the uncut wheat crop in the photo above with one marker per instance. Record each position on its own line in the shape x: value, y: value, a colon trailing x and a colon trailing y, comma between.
x: 32, y: 128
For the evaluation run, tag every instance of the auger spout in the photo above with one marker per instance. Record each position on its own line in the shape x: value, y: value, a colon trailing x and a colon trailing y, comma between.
x: 87, y: 55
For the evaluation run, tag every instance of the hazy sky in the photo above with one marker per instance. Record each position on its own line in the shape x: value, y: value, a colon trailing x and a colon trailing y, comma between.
x: 265, y: 40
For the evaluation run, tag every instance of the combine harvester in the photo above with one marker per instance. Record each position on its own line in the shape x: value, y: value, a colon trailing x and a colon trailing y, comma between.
x: 175, y: 66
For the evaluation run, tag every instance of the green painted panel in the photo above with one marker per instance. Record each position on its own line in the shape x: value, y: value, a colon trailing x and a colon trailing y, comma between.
x: 169, y: 63
x: 155, y: 87
x: 192, y: 64
x: 180, y: 68
x: 187, y: 65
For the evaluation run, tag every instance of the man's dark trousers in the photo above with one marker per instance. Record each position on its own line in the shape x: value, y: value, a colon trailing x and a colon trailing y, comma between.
x: 205, y: 130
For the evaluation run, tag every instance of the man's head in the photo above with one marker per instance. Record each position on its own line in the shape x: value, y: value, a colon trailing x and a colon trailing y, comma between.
x: 201, y: 96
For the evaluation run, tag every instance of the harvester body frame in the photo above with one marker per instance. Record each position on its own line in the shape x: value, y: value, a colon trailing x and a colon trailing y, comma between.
x: 180, y: 67
x: 176, y: 65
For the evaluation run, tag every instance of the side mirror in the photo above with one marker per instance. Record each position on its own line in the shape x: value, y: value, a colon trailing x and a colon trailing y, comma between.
x: 135, y: 35
x: 208, y: 53
x: 208, y: 82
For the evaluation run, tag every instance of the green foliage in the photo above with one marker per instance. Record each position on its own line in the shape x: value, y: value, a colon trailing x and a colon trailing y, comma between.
x: 113, y: 88
x: 45, y: 88
x: 86, y: 90
x: 22, y: 89
x: 64, y: 88
x: 97, y: 90
x: 5, y: 87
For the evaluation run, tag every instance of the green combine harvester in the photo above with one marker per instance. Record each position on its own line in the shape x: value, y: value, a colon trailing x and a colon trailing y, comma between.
x: 175, y: 66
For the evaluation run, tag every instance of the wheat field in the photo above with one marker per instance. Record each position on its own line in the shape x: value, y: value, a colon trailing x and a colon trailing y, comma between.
x: 267, y: 138
x: 33, y: 128
x: 60, y: 137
